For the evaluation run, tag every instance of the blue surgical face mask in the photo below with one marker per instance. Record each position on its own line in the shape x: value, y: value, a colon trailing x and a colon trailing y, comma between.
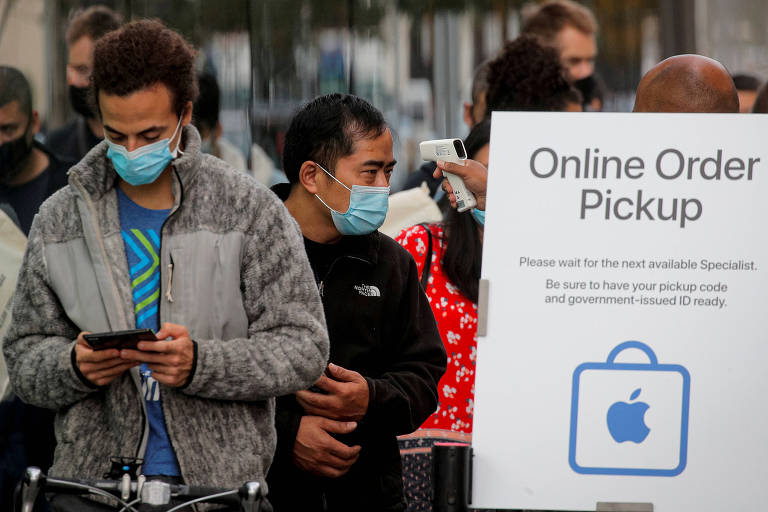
x: 367, y: 209
x: 145, y: 164
x: 479, y: 216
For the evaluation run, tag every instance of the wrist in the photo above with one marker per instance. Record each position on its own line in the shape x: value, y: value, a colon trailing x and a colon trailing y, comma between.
x: 78, y: 373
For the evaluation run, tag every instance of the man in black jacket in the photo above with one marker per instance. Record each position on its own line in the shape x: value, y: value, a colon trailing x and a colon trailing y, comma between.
x: 29, y: 173
x: 337, y: 449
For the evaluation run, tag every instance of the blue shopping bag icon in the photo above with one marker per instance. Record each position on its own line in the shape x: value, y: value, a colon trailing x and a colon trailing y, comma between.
x: 629, y: 418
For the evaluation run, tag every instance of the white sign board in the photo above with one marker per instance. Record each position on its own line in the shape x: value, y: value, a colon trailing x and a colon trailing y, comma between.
x: 626, y: 348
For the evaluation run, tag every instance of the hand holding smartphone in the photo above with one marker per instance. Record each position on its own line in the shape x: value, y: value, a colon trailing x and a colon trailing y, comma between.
x: 119, y: 339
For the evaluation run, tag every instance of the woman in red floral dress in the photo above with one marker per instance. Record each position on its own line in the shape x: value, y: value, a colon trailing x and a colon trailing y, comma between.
x: 452, y: 288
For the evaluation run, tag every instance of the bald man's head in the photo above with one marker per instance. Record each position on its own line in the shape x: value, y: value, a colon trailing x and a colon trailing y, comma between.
x: 687, y: 83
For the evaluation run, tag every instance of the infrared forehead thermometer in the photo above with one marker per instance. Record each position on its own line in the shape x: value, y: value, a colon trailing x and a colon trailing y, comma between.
x: 450, y: 150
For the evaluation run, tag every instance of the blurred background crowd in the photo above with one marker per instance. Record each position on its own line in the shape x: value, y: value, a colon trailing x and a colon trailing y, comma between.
x: 413, y: 59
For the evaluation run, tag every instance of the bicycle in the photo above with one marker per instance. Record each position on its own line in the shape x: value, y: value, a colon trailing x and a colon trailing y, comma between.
x: 129, y: 493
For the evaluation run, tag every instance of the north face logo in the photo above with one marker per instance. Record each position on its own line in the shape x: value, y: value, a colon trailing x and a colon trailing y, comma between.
x: 367, y: 290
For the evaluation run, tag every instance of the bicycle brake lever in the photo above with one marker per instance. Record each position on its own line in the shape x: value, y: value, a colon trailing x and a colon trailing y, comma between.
x: 33, y: 480
x: 249, y: 496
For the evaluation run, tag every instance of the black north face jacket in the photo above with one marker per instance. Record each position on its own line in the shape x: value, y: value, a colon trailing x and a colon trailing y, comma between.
x: 380, y: 324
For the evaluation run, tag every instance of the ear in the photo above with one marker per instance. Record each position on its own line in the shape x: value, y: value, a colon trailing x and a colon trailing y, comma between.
x: 468, y: 114
x: 309, y: 176
x: 186, y: 117
x: 35, y: 124
x: 217, y: 131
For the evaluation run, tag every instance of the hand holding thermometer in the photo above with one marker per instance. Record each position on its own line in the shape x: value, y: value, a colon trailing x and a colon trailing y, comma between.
x: 450, y: 150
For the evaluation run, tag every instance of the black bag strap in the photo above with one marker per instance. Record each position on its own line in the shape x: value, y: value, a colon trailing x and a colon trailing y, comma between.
x: 428, y: 261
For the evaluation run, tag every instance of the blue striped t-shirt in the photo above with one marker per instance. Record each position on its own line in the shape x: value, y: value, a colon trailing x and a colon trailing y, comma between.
x: 141, y: 229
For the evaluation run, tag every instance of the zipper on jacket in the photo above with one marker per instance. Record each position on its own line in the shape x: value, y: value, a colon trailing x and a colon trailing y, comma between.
x: 100, y: 238
x: 168, y: 296
x: 321, y: 284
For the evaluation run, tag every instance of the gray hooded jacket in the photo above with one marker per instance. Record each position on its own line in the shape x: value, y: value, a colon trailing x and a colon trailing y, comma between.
x: 233, y: 271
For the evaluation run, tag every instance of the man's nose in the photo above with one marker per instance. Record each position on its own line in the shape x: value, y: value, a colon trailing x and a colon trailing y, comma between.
x: 76, y: 79
x: 381, y: 179
x: 582, y: 70
x: 132, y: 144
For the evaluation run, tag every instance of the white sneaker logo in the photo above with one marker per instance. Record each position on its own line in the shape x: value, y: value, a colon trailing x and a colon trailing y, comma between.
x: 367, y: 290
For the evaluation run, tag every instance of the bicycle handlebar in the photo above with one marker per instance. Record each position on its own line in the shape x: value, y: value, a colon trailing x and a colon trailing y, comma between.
x: 249, y: 497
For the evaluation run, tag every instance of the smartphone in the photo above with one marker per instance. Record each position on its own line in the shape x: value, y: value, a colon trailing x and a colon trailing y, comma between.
x: 450, y: 150
x: 119, y: 339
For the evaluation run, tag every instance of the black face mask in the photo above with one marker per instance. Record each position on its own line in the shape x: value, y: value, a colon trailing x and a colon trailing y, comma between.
x: 586, y: 87
x: 12, y: 155
x: 78, y: 97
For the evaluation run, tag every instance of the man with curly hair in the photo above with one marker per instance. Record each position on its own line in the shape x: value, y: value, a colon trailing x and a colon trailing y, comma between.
x: 152, y: 233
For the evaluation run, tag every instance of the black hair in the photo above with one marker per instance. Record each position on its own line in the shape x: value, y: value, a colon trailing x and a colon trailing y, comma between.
x: 746, y: 82
x: 326, y: 129
x: 480, y: 81
x: 15, y: 87
x: 464, y: 250
x: 526, y: 76
x: 761, y: 100
x: 206, y: 109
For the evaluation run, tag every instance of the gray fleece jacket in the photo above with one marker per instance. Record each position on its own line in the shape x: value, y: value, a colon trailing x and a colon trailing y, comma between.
x: 233, y: 271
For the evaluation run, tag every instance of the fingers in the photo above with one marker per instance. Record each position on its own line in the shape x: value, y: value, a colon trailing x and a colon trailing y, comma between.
x: 332, y: 468
x: 449, y: 193
x: 90, y: 367
x: 338, y: 427
x: 84, y: 352
x: 328, y: 385
x: 342, y: 374
x: 169, y: 375
x: 143, y: 357
x: 341, y: 456
x: 104, y: 377
x: 169, y: 330
x: 156, y: 346
x: 314, y: 401
x: 152, y: 351
x: 459, y: 169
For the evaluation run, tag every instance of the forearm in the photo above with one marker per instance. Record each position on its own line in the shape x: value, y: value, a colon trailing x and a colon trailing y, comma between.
x: 42, y: 373
x: 267, y: 364
x: 401, y: 401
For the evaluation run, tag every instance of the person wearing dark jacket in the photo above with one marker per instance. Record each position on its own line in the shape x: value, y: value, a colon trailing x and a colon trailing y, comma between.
x: 86, y: 26
x: 29, y: 174
x: 337, y: 447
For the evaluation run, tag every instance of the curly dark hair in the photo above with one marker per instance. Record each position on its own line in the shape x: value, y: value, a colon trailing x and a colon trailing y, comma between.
x: 526, y: 76
x: 141, y: 54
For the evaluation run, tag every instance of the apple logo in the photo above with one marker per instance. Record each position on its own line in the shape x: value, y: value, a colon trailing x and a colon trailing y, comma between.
x: 626, y: 421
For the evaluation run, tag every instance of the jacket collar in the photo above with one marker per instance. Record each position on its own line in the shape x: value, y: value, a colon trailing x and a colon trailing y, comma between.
x: 97, y: 175
x: 364, y: 247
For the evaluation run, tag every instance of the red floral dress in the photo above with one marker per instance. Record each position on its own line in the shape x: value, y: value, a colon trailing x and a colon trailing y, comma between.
x: 456, y: 318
